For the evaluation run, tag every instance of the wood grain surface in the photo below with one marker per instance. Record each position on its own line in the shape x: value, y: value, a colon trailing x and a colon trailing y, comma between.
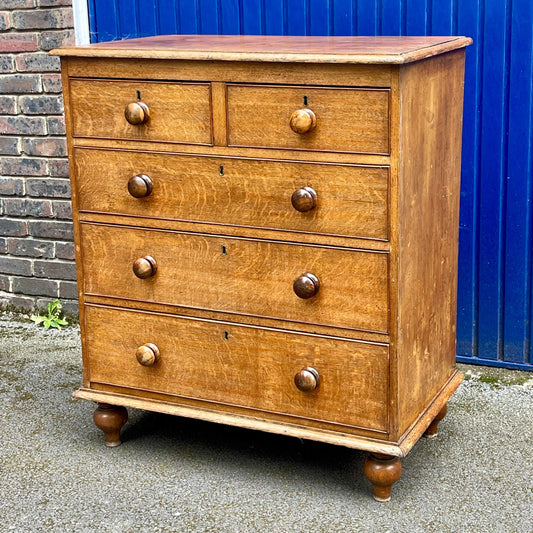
x: 179, y: 112
x: 242, y: 366
x: 428, y: 220
x: 347, y: 120
x: 277, y: 48
x: 351, y: 200
x: 243, y: 276
x: 327, y: 74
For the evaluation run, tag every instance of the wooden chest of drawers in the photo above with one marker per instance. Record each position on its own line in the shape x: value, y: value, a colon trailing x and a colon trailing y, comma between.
x: 266, y: 233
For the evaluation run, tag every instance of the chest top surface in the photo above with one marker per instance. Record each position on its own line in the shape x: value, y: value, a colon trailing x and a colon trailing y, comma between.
x: 285, y: 49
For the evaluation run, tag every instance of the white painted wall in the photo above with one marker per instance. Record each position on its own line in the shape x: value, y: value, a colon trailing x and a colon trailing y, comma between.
x: 81, y: 21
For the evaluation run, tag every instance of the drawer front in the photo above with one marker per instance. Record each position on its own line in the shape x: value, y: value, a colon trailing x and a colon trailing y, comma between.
x: 350, y: 200
x: 178, y: 112
x: 236, y: 275
x: 242, y: 366
x: 347, y: 120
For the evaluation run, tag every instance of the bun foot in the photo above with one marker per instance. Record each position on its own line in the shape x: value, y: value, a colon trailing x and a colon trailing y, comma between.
x: 382, y: 471
x: 110, y: 419
x: 432, y: 431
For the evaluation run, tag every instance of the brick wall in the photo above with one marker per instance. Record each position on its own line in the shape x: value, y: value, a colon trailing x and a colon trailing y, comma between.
x: 36, y: 250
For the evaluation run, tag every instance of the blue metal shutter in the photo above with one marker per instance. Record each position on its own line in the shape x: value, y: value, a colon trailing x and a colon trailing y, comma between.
x: 495, y: 267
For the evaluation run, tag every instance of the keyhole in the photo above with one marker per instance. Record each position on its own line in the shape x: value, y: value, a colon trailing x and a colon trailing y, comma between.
x: 226, y: 335
x: 224, y: 251
x: 139, y: 95
x: 221, y: 170
x: 305, y: 101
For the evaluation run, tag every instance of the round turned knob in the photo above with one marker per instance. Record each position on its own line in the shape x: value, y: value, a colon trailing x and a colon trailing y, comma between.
x: 302, y: 121
x: 307, y: 380
x: 147, y: 354
x: 306, y: 286
x: 137, y: 113
x: 144, y: 267
x: 304, y: 199
x: 140, y: 186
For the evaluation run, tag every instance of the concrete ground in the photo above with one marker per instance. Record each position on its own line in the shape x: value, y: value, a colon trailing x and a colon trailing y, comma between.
x: 174, y: 474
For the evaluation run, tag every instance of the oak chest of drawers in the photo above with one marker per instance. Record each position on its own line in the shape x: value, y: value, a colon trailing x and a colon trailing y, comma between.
x: 266, y: 233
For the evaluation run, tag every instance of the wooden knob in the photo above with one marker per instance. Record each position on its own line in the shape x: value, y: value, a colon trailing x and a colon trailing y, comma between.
x: 304, y: 199
x: 145, y: 267
x: 306, y: 286
x: 137, y: 113
x: 307, y: 380
x: 302, y: 121
x: 140, y: 186
x: 147, y: 354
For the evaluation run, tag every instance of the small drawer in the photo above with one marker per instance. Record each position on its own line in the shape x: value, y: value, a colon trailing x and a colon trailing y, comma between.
x: 309, y: 118
x: 236, y: 275
x: 305, y: 197
x: 164, y: 111
x: 238, y: 365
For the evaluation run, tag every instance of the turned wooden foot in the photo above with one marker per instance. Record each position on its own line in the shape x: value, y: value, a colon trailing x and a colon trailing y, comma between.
x: 432, y: 430
x: 110, y: 419
x: 382, y: 471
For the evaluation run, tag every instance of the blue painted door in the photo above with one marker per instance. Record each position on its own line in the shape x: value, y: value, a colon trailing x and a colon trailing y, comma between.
x: 495, y: 256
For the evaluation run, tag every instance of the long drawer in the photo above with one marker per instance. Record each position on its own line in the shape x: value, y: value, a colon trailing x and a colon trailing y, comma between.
x: 349, y: 200
x: 176, y: 112
x: 241, y: 366
x: 346, y: 119
x: 237, y: 275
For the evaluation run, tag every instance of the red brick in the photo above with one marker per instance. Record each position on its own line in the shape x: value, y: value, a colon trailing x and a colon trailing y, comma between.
x: 50, y: 229
x: 18, y: 4
x: 68, y: 289
x: 56, y: 125
x: 65, y: 270
x: 20, y: 83
x: 11, y: 186
x: 34, y: 286
x: 46, y: 146
x: 65, y: 250
x: 41, y: 104
x: 5, y: 23
x: 9, y: 146
x: 55, y: 39
x: 55, y: 3
x: 22, y: 207
x: 62, y: 210
x: 12, y: 265
x: 18, y: 42
x: 44, y: 19
x: 28, y: 247
x: 48, y: 188
x: 7, y: 63
x: 37, y: 62
x: 58, y: 168
x: 22, y: 303
x: 51, y: 83
x: 13, y: 228
x: 20, y: 125
x: 8, y: 105
x: 23, y: 166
